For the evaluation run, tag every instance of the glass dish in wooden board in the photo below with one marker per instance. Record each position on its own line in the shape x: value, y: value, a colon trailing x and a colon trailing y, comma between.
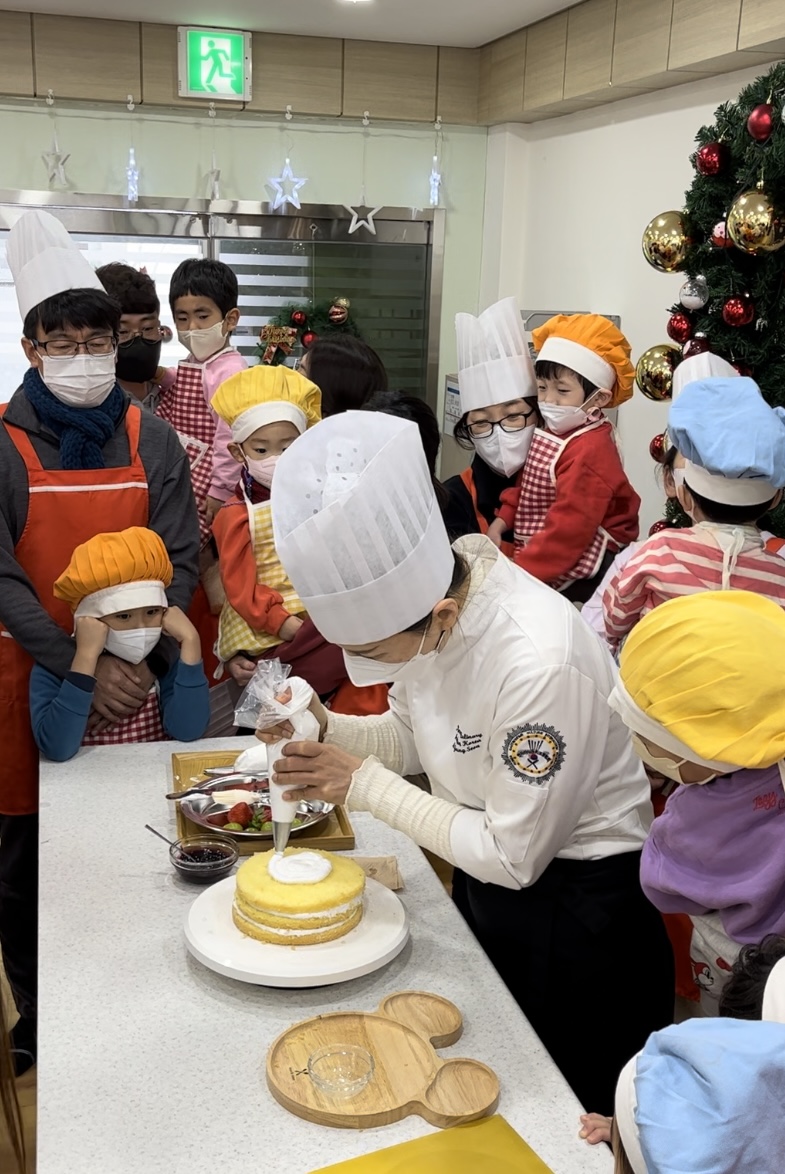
x: 208, y: 811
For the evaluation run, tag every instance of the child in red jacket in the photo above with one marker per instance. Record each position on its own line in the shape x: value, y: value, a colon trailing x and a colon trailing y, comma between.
x: 572, y: 508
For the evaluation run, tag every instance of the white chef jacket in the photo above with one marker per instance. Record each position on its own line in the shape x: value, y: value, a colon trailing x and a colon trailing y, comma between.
x: 511, y: 721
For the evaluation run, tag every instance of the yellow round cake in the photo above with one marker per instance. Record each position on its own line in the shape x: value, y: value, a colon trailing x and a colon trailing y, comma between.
x: 320, y: 899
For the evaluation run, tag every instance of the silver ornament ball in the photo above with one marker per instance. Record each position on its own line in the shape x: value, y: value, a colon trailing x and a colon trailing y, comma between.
x: 694, y: 294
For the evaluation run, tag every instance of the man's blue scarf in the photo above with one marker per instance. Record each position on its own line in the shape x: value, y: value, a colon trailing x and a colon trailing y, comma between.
x: 82, y: 432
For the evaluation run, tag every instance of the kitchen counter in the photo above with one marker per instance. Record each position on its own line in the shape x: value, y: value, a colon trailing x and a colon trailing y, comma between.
x: 150, y: 1063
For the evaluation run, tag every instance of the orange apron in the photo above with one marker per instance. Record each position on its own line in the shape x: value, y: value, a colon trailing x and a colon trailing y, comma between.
x: 507, y: 548
x: 65, y: 508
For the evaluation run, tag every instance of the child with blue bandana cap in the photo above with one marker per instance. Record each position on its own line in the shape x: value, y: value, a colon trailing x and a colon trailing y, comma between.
x: 729, y: 472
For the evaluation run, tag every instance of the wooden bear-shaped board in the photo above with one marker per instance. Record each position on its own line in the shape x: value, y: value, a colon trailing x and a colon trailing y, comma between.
x: 408, y: 1075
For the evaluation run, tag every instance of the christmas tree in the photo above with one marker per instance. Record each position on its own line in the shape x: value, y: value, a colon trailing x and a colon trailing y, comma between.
x: 727, y: 242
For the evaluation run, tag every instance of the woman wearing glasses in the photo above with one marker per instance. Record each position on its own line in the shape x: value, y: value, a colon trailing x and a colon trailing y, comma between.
x: 499, y: 403
x: 77, y: 458
x: 140, y: 337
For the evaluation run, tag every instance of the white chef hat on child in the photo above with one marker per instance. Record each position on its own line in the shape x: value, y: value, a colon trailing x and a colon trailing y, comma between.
x: 494, y: 363
x: 704, y: 366
x: 705, y: 1097
x: 45, y: 261
x: 358, y: 529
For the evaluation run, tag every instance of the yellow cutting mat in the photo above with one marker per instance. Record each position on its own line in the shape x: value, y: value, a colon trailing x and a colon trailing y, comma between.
x: 491, y: 1144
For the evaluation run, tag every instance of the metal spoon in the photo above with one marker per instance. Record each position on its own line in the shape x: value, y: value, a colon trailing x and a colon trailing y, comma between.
x: 160, y: 837
x: 201, y: 788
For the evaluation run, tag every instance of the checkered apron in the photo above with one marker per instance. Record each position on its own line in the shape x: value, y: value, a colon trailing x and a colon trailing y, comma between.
x: 538, y: 493
x: 143, y: 726
x: 184, y: 407
x: 234, y: 634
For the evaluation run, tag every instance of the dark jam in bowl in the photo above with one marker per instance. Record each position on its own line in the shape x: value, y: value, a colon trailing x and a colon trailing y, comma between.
x: 203, y: 860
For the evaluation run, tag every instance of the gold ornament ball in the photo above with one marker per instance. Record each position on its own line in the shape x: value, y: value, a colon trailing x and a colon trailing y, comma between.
x: 754, y: 225
x: 654, y: 372
x: 666, y: 241
x: 344, y: 303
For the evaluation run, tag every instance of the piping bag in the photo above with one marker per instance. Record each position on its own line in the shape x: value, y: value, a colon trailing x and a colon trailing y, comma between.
x: 290, y: 704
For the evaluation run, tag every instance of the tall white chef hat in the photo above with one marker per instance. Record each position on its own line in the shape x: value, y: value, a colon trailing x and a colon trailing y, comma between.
x: 698, y: 367
x: 358, y: 529
x: 45, y: 261
x: 494, y: 364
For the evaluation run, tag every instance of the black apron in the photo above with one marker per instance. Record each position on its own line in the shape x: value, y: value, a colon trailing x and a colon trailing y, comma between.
x: 586, y: 958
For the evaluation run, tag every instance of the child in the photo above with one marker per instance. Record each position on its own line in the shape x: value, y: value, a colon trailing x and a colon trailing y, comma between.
x: 729, y: 472
x: 572, y: 508
x: 498, y: 391
x: 116, y: 586
x: 266, y: 408
x: 701, y: 686
x: 756, y: 987
x: 203, y: 296
x: 139, y: 347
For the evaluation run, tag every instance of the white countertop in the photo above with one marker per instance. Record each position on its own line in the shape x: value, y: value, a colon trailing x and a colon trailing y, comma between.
x: 150, y: 1063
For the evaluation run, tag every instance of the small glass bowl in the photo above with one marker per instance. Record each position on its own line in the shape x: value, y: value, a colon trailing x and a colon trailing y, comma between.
x: 203, y: 859
x: 340, y: 1071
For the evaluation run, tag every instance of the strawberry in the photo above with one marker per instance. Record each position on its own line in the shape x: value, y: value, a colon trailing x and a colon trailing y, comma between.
x: 241, y: 813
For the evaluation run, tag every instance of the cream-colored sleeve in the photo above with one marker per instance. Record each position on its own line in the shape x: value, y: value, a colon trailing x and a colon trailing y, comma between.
x: 385, y: 737
x: 402, y: 806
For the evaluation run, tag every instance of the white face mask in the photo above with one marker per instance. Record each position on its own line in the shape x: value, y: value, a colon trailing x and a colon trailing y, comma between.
x: 505, y: 452
x: 669, y: 768
x: 203, y: 343
x: 562, y: 419
x: 82, y: 381
x: 262, y: 471
x: 361, y: 670
x: 133, y: 644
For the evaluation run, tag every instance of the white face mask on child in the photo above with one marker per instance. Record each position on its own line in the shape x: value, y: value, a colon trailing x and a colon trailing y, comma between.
x: 203, y: 343
x: 262, y: 471
x: 132, y: 644
x: 504, y: 452
x: 562, y: 419
x: 669, y: 768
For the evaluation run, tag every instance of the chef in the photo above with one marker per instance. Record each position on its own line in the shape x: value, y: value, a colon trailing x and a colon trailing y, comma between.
x: 499, y: 694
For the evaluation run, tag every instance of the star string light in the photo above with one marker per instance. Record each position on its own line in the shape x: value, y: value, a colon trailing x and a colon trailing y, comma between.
x: 286, y: 187
x: 362, y: 217
x: 55, y: 161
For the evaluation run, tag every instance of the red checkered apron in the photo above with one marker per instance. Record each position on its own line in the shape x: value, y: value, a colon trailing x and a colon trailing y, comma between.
x: 184, y: 407
x: 143, y: 726
x: 538, y: 493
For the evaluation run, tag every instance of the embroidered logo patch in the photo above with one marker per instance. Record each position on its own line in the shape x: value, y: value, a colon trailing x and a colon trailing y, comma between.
x: 534, y: 754
x: 465, y: 743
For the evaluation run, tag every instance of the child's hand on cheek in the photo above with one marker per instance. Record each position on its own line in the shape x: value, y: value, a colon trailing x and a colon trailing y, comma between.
x: 91, y: 635
x: 177, y: 625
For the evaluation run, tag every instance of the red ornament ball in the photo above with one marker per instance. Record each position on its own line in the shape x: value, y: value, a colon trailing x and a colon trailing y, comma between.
x: 760, y: 123
x: 308, y: 339
x: 696, y: 346
x: 661, y: 524
x: 712, y: 159
x: 738, y: 311
x: 719, y: 236
x: 743, y: 369
x: 679, y: 327
x: 299, y: 318
x: 658, y: 447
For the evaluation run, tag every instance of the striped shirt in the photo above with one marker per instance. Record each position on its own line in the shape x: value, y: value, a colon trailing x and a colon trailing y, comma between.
x: 684, y: 562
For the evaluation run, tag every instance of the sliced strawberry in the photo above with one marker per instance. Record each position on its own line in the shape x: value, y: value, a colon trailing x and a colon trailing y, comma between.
x: 241, y: 813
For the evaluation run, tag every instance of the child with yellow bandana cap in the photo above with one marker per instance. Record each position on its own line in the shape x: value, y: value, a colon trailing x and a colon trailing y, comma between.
x: 701, y: 687
x: 115, y: 584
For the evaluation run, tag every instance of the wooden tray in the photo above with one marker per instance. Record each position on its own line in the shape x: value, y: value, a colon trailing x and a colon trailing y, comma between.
x: 335, y: 833
x: 408, y: 1076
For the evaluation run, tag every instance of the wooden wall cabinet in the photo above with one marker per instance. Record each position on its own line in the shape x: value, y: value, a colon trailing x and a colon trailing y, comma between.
x: 303, y: 72
x: 589, y: 60
x: 95, y: 60
x: 705, y: 34
x: 458, y: 87
x: 390, y: 81
x: 546, y: 55
x: 762, y: 25
x: 502, y: 68
x: 16, y: 54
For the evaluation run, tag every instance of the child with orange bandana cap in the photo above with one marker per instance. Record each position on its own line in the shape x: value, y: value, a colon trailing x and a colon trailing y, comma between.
x: 572, y: 509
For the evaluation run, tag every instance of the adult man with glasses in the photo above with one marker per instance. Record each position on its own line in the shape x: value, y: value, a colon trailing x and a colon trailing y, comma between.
x: 77, y: 458
x: 140, y: 337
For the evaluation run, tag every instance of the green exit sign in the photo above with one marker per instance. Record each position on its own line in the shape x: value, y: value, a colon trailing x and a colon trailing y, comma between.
x: 213, y: 64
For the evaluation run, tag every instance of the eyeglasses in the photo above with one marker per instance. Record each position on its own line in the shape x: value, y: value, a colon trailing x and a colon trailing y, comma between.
x: 66, y: 348
x: 514, y: 423
x: 151, y: 334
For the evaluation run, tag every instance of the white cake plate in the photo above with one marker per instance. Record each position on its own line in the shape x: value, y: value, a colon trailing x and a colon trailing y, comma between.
x: 214, y: 939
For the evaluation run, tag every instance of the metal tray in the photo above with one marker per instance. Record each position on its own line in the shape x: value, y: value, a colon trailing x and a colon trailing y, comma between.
x: 208, y: 812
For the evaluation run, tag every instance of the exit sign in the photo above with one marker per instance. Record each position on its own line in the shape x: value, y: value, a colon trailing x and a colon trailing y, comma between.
x: 213, y: 64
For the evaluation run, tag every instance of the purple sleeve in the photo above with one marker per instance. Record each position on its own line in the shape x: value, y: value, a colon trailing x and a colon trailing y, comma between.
x: 664, y: 877
x: 225, y: 468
